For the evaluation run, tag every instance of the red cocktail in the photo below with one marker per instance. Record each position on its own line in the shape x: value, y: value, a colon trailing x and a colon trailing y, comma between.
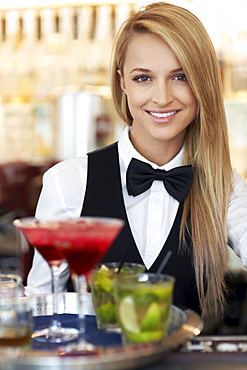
x: 85, y: 241
x: 43, y: 236
x: 43, y: 240
x: 82, y: 242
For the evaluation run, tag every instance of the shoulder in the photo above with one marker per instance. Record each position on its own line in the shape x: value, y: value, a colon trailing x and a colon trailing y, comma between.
x: 67, y: 179
x: 63, y: 188
x: 69, y: 167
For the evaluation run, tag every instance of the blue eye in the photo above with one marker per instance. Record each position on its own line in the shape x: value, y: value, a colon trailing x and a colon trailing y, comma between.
x: 141, y: 78
x: 180, y: 77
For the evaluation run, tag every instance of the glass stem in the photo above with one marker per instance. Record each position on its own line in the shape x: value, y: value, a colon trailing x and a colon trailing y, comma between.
x: 55, y: 277
x: 80, y: 286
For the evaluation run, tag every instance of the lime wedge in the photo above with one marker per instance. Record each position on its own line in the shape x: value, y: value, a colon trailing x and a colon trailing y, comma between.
x: 152, y: 318
x: 103, y: 269
x: 102, y: 280
x: 145, y: 336
x: 128, y: 316
x: 107, y: 313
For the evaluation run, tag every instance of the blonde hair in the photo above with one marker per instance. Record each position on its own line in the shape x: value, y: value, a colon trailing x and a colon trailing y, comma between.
x: 206, y: 142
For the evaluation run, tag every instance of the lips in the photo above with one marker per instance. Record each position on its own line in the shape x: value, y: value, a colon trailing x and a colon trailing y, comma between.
x: 163, y: 114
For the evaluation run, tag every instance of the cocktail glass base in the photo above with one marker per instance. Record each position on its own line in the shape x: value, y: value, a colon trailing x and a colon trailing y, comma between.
x: 61, y: 335
x: 81, y: 348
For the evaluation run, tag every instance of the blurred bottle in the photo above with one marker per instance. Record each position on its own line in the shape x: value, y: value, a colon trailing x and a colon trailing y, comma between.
x: 96, y: 72
x: 81, y: 20
x: 27, y: 118
x: 95, y: 69
x: 44, y: 105
x: 122, y: 12
x: 52, y: 69
x: 73, y: 51
x: 16, y: 89
x: 16, y: 76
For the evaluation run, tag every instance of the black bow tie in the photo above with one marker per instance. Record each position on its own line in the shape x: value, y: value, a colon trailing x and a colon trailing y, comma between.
x: 177, y: 181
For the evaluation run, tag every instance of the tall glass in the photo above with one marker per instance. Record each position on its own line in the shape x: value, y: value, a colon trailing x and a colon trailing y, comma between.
x: 81, y: 241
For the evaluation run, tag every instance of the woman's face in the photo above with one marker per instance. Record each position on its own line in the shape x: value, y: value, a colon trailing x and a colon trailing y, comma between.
x: 160, y: 99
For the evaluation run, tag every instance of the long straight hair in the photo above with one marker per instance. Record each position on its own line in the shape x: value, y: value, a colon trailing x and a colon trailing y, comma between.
x: 206, y: 140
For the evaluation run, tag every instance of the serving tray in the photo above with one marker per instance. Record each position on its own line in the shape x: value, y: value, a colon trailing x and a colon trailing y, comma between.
x: 183, y: 325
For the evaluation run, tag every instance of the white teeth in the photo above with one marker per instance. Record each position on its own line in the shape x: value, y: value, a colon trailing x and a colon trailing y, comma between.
x: 162, y: 115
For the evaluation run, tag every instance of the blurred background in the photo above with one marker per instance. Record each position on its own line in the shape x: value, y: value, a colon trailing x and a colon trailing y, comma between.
x: 55, y: 101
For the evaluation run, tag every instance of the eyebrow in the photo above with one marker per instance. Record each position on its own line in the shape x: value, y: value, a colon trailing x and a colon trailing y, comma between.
x: 148, y: 70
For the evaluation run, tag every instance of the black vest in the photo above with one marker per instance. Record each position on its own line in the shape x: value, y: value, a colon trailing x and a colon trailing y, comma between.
x: 104, y: 198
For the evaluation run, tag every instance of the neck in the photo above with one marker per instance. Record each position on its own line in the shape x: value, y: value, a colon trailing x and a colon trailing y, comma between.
x: 159, y: 152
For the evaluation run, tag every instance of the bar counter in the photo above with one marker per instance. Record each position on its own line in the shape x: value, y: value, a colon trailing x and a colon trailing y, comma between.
x: 195, y: 356
x: 210, y: 352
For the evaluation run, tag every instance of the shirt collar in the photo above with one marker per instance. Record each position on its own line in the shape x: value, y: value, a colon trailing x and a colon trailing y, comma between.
x: 127, y: 151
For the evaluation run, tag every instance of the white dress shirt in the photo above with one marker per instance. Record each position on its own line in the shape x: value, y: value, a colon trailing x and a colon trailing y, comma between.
x: 151, y: 214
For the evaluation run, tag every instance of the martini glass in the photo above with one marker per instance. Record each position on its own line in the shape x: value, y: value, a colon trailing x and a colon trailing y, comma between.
x: 81, y: 241
x: 42, y: 235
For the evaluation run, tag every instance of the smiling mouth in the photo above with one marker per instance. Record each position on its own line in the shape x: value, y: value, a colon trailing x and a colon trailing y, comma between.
x: 163, y: 115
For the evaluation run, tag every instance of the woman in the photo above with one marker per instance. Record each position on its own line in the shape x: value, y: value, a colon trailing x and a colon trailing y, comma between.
x: 166, y: 87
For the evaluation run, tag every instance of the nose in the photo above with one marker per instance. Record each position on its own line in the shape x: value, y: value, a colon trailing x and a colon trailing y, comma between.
x: 162, y: 93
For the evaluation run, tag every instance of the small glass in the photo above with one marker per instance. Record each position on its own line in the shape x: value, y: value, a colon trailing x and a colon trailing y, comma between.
x: 15, y: 321
x: 101, y: 283
x: 10, y: 286
x: 143, y: 306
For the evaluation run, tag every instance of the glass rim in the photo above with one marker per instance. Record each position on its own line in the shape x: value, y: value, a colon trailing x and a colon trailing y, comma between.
x: 150, y: 275
x: 117, y: 264
x: 42, y: 223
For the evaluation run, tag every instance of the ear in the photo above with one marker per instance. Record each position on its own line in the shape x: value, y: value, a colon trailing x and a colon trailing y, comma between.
x: 121, y: 80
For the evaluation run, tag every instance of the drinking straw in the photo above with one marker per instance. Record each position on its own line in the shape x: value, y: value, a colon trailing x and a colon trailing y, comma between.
x: 162, y: 265
x: 122, y: 261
